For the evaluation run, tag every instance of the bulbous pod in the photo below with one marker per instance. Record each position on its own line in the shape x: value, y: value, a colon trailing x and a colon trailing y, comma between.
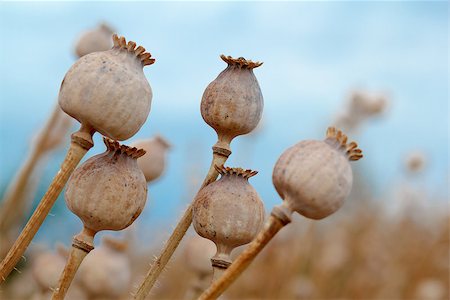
x: 228, y: 212
x: 108, y: 91
x: 47, y: 267
x: 154, y: 162
x: 106, y: 271
x: 232, y: 104
x: 314, y: 177
x: 108, y: 191
x: 198, y: 252
x: 94, y: 40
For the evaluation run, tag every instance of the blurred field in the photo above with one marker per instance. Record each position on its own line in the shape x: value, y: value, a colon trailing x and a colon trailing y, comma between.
x: 363, y: 252
x: 359, y: 254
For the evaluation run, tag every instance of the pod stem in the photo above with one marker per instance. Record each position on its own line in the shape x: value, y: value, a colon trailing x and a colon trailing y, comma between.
x: 81, y: 143
x: 277, y: 220
x: 82, y: 244
x: 13, y: 207
x: 218, y: 272
x: 221, y: 260
x: 172, y: 243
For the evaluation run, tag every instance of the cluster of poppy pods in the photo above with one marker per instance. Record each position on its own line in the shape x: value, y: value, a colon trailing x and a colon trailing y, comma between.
x: 107, y: 92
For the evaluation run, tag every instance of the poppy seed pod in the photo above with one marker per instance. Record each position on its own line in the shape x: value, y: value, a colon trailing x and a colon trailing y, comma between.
x: 197, y: 253
x: 315, y: 177
x: 153, y: 163
x: 228, y: 212
x: 106, y: 271
x: 232, y: 104
x: 94, y: 40
x: 108, y: 91
x: 47, y: 266
x: 108, y: 191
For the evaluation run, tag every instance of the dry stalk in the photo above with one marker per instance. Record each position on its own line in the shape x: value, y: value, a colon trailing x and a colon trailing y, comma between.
x: 81, y: 143
x: 107, y: 192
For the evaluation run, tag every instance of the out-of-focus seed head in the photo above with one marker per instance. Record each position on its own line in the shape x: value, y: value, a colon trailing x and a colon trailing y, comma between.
x: 415, y: 161
x: 315, y: 177
x: 47, y: 268
x: 108, y: 90
x: 228, y: 212
x: 108, y: 191
x: 58, y: 132
x: 94, y: 40
x: 106, y: 271
x: 198, y: 252
x: 361, y: 107
x: 430, y: 289
x: 153, y: 162
x: 232, y: 104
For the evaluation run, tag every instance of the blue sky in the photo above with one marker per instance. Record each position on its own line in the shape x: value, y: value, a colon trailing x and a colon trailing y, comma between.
x: 314, y: 54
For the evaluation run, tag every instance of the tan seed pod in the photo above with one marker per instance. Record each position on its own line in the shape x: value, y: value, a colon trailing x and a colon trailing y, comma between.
x: 153, y: 162
x: 232, y: 104
x: 94, y: 40
x: 197, y: 252
x: 106, y: 271
x: 228, y: 212
x: 47, y: 267
x: 108, y: 91
x: 108, y: 191
x: 315, y: 177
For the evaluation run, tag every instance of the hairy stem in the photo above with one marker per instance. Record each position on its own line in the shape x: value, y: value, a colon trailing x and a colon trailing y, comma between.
x: 272, y: 226
x: 81, y: 143
x: 82, y: 244
x: 178, y: 233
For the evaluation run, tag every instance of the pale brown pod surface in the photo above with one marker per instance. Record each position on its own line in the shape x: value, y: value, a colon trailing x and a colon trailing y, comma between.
x: 315, y: 177
x: 153, y: 162
x: 228, y: 212
x: 46, y: 269
x: 108, y: 191
x: 197, y: 253
x: 108, y: 90
x: 232, y: 104
x: 94, y: 40
x: 106, y: 272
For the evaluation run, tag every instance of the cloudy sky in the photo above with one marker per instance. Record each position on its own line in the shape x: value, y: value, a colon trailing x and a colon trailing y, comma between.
x: 314, y: 54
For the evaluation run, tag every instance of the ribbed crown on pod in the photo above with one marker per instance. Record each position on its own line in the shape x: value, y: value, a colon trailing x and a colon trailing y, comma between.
x: 235, y: 171
x: 139, y: 52
x: 339, y: 139
x: 114, y: 146
x: 240, y: 62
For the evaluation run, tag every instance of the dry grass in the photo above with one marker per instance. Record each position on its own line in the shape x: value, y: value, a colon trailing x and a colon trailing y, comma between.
x: 361, y: 254
x: 358, y: 253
